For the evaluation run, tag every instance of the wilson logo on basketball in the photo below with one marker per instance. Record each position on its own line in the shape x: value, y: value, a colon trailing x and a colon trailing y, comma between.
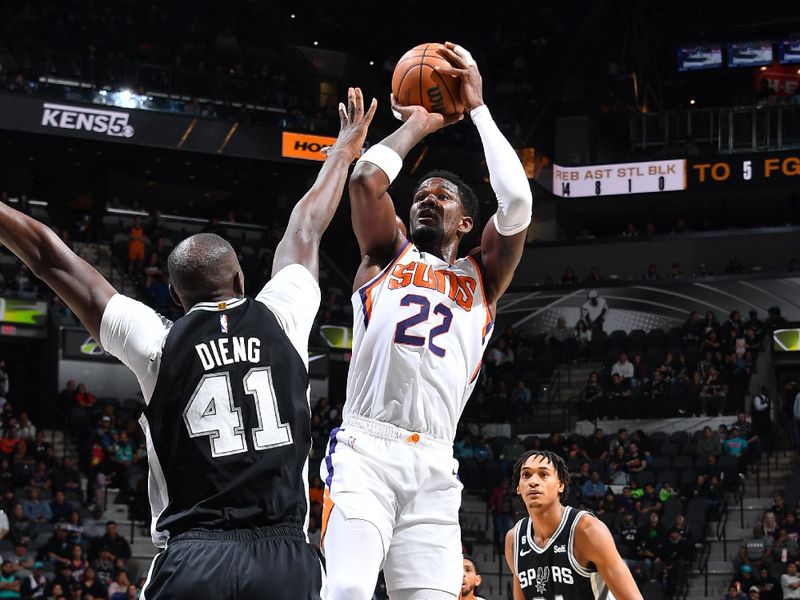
x: 436, y: 98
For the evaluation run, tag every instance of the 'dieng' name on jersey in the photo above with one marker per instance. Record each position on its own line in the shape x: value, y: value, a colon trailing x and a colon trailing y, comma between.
x: 229, y: 350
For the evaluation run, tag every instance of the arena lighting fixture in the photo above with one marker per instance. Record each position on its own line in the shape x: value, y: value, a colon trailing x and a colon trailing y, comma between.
x: 372, y: 62
x: 692, y: 101
x: 316, y: 43
x: 292, y: 16
x: 763, y: 68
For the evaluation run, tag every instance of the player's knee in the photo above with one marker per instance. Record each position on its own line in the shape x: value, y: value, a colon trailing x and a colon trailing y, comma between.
x: 349, y: 589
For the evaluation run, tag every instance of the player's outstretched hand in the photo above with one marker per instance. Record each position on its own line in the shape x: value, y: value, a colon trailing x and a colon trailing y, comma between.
x: 463, y: 66
x: 433, y: 121
x: 353, y: 123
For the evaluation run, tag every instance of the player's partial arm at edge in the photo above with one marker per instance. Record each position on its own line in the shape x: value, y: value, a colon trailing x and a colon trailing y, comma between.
x: 78, y: 284
x: 593, y: 543
x: 375, y: 222
x: 503, y: 238
x: 313, y: 213
x: 518, y: 595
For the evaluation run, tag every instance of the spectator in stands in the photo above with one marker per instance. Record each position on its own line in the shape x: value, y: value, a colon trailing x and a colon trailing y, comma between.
x: 674, y: 553
x: 615, y: 395
x: 155, y: 225
x: 631, y: 231
x: 784, y: 546
x: 627, y: 534
x: 779, y: 508
x: 623, y: 367
x: 114, y: 542
x: 652, y: 273
x: 594, y: 311
x: 119, y: 587
x: 10, y: 441
x: 559, y: 340
x: 641, y: 372
x: 10, y: 585
x: 709, y: 443
x: 736, y: 445
x: 569, y: 277
x: 58, y: 547
x: 596, y: 447
x: 735, y: 594
x: 755, y: 550
x: 713, y: 394
x: 67, y: 478
x: 650, y: 501
x: 768, y: 586
x: 103, y: 566
x: 135, y: 245
x: 790, y: 582
x: 650, y: 540
x: 774, y: 320
x: 35, y: 509
x: 618, y: 471
x: 60, y: 509
x: 675, y: 272
x: 90, y: 585
x: 500, y: 357
x: 501, y: 505
x: 634, y: 460
x: 521, y: 400
x: 593, y: 276
x: 593, y: 490
x: 26, y: 429
x: 583, y: 336
x: 622, y: 439
x: 41, y: 478
x: 83, y: 397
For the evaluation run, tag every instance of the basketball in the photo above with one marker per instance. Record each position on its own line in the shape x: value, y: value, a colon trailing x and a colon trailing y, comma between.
x: 416, y: 81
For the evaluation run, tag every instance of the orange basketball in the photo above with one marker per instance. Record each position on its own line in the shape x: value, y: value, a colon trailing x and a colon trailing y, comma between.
x: 416, y: 81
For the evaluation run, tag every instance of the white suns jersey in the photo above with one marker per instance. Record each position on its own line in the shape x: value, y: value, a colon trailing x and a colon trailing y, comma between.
x: 420, y: 330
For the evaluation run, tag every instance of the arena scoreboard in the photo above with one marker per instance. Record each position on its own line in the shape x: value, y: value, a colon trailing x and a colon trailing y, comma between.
x: 619, y: 179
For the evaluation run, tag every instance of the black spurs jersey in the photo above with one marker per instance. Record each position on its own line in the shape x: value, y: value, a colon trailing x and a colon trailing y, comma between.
x: 227, y: 420
x: 552, y: 573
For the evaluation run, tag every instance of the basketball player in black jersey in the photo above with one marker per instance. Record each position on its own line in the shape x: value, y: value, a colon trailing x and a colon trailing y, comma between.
x: 558, y: 552
x: 227, y: 420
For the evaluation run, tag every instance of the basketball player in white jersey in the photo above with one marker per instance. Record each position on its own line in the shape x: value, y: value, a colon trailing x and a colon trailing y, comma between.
x: 423, y: 318
x: 558, y: 552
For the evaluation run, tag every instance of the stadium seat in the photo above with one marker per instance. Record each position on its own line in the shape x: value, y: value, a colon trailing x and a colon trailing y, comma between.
x: 656, y: 440
x: 670, y: 450
x: 659, y: 463
x: 679, y: 438
x: 669, y: 476
x: 682, y: 463
x: 652, y: 590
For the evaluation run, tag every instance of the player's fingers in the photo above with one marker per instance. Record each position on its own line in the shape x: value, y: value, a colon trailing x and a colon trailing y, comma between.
x: 359, y: 105
x: 373, y: 106
x: 342, y: 115
x: 451, y: 57
x: 462, y: 52
x: 455, y: 72
x: 351, y: 104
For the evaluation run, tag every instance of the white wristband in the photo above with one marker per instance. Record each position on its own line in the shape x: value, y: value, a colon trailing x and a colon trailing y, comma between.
x: 386, y: 159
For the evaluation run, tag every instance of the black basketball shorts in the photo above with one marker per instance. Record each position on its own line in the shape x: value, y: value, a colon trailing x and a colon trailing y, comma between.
x: 268, y: 563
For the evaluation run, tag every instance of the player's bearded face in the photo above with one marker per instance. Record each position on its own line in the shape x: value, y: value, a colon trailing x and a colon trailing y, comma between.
x: 436, y: 211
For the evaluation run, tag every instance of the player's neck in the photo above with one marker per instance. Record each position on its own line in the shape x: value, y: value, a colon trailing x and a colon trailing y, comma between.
x: 216, y: 298
x: 447, y: 251
x: 547, y: 519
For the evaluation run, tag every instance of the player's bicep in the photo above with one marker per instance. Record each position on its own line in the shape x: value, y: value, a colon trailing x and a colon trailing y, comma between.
x: 500, y: 255
x: 78, y: 284
x: 293, y: 295
x: 134, y: 333
x: 372, y: 209
x: 596, y: 545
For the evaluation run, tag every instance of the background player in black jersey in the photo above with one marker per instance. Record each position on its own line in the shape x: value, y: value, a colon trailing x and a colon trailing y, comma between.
x: 226, y: 387
x: 471, y: 581
x: 558, y: 552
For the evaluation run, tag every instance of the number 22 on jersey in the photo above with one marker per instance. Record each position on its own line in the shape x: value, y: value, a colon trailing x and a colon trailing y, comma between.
x: 402, y: 335
x: 211, y: 412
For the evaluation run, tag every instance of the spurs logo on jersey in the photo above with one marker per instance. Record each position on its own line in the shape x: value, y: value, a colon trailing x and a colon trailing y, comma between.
x: 551, y: 572
x: 419, y: 334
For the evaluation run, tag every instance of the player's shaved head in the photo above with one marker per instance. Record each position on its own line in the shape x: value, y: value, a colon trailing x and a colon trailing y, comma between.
x: 203, y: 268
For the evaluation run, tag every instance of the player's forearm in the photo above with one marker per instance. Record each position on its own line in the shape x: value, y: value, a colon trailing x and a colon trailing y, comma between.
x: 372, y: 179
x: 506, y: 176
x: 31, y: 241
x: 315, y: 210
